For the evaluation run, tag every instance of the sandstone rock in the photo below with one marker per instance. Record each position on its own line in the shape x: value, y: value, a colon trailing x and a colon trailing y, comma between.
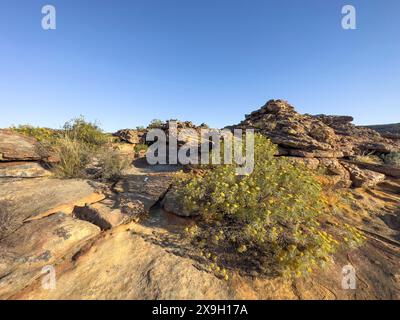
x: 315, y: 153
x: 310, y: 163
x: 131, y: 265
x: 107, y: 214
x: 39, y: 197
x: 361, y: 139
x: 37, y: 244
x: 320, y: 136
x: 339, y: 175
x: 284, y: 126
x: 16, y: 147
x: 148, y: 189
x: 172, y: 205
x: 385, y: 169
x: 22, y: 169
x: 363, y: 178
x: 131, y: 136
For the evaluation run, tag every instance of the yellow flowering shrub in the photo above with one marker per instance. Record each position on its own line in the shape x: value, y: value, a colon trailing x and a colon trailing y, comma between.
x: 274, y: 212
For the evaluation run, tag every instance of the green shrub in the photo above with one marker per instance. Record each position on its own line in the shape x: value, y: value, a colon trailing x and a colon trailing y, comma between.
x: 112, y: 164
x: 155, y: 124
x: 141, y: 147
x: 43, y: 135
x: 87, y: 132
x: 272, y: 212
x: 74, y: 157
x: 392, y: 158
x: 368, y: 158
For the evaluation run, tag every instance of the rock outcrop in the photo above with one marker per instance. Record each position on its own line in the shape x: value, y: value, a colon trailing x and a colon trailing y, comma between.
x: 362, y: 140
x: 23, y: 169
x: 33, y: 199
x: 363, y: 177
x: 16, y: 147
x: 171, y: 204
x: 22, y: 156
x: 145, y: 189
x: 131, y: 136
x: 322, y: 137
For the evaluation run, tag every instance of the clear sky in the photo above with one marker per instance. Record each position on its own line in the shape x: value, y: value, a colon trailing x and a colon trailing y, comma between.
x: 125, y: 63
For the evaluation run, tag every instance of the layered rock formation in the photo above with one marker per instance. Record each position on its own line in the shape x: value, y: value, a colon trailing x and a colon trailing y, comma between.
x: 327, y: 139
x: 21, y: 156
x: 131, y: 136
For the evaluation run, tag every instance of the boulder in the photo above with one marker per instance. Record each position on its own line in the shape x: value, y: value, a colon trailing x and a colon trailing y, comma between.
x: 39, y: 243
x: 17, y: 147
x: 131, y: 136
x: 33, y: 199
x: 310, y: 163
x: 147, y: 189
x: 363, y: 177
x: 107, y: 214
x: 388, y: 170
x: 337, y: 172
x: 23, y: 169
x: 172, y: 205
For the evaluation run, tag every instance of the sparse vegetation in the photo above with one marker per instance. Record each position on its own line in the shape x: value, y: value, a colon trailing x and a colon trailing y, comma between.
x: 155, y: 124
x: 368, y: 158
x: 74, y: 157
x: 86, y: 132
x: 79, y: 143
x: 141, y: 147
x: 43, y: 135
x: 274, y: 214
x: 392, y: 159
x: 112, y: 164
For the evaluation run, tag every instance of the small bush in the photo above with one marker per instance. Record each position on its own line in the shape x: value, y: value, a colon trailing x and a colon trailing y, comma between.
x: 87, y: 132
x: 273, y: 212
x: 43, y: 135
x: 74, y: 157
x: 368, y: 158
x: 141, y: 147
x: 155, y: 124
x: 392, y: 159
x: 112, y: 164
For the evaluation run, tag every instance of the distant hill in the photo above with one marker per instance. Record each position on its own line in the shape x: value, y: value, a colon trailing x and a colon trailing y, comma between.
x: 393, y: 128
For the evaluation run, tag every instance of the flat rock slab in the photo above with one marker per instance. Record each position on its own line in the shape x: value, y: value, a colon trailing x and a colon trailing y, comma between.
x: 147, y: 189
x: 172, y: 205
x: 108, y: 214
x: 363, y: 177
x: 23, y: 169
x: 39, y: 197
x: 124, y: 265
x: 14, y: 146
x: 36, y: 244
x: 388, y: 170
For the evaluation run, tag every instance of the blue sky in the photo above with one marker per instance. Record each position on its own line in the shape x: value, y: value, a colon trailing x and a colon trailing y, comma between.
x: 125, y: 63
